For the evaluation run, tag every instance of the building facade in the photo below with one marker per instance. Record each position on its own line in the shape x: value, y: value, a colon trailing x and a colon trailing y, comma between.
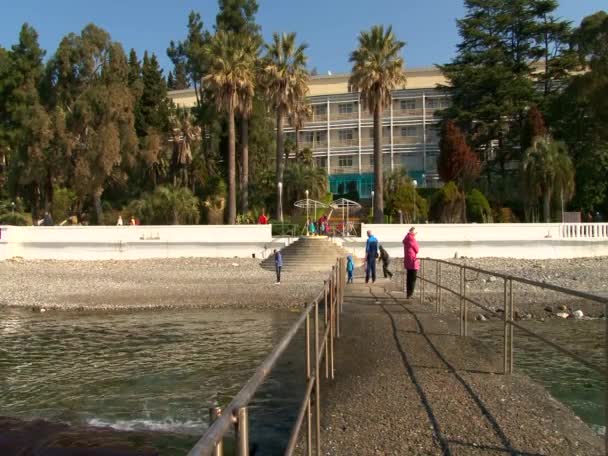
x: 340, y: 132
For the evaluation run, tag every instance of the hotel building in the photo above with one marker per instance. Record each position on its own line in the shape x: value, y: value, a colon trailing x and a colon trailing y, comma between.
x: 340, y: 132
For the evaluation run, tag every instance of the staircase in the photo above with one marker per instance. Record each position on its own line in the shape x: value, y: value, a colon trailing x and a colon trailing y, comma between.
x: 315, y: 253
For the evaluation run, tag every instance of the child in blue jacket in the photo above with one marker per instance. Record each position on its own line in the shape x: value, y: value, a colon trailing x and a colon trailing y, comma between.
x: 350, y: 267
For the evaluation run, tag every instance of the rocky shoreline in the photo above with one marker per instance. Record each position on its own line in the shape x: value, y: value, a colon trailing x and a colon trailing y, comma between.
x: 152, y: 284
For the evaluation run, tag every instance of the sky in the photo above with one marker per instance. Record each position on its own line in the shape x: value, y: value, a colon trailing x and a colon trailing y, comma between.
x: 329, y: 27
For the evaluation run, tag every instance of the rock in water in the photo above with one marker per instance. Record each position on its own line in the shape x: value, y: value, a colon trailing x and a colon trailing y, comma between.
x: 578, y: 314
x: 549, y: 309
x: 562, y: 315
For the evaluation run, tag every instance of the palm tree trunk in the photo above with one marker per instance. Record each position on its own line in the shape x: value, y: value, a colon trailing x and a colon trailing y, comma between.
x: 231, y: 169
x: 280, y: 164
x: 297, y: 143
x: 547, y: 205
x: 97, y: 203
x: 244, y: 165
x: 378, y: 168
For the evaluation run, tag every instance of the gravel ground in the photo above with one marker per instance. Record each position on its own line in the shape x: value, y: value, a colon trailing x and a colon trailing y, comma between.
x: 403, y: 386
x: 581, y: 274
x: 158, y: 283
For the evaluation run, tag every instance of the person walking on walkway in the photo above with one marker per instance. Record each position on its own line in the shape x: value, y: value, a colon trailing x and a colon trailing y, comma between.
x: 410, y: 261
x: 386, y: 261
x: 350, y: 268
x: 371, y: 254
x: 278, y: 264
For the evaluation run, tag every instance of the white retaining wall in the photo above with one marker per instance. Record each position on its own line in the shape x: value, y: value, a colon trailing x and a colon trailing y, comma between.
x: 135, y: 242
x: 525, y: 240
x: 507, y: 240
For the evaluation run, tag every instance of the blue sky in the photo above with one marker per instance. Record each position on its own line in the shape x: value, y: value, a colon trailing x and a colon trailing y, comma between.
x: 330, y: 27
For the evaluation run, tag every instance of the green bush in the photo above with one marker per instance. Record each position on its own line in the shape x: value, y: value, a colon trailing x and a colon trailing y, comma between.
x: 63, y: 202
x: 478, y: 208
x: 17, y: 219
x: 447, y: 205
x: 167, y: 206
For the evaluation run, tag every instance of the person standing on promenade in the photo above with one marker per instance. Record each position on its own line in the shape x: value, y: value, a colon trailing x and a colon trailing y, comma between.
x: 371, y: 254
x: 119, y: 221
x: 410, y: 261
x: 262, y: 219
x: 350, y: 268
x: 278, y: 264
x: 386, y: 261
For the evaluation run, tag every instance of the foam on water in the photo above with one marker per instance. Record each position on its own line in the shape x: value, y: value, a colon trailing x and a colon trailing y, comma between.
x: 167, y: 425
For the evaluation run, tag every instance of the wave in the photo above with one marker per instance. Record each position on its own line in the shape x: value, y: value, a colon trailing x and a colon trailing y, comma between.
x: 168, y: 425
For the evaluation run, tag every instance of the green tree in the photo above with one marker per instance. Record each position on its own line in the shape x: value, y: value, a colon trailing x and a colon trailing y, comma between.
x: 90, y: 81
x: 478, y: 208
x: 231, y: 78
x: 378, y: 68
x: 301, y: 176
x: 168, y: 206
x: 402, y: 199
x: 285, y: 80
x: 548, y: 170
x: 153, y: 106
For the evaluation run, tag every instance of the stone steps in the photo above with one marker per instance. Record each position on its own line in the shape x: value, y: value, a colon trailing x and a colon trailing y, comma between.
x: 308, y: 254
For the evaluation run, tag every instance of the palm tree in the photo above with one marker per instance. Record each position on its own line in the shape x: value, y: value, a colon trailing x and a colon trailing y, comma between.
x: 547, y: 169
x: 231, y: 79
x: 286, y: 83
x: 246, y: 106
x: 378, y: 68
x: 302, y: 111
x: 300, y: 177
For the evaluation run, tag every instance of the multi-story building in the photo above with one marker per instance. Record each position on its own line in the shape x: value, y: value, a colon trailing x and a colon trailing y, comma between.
x: 340, y: 132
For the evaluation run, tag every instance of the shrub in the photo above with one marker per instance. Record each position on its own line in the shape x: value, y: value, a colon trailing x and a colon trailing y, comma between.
x: 167, y: 206
x: 478, y: 208
x: 63, y: 202
x: 17, y: 219
x: 446, y: 205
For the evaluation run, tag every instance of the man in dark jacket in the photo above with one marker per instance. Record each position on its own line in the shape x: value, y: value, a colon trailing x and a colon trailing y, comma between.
x: 278, y: 264
x: 386, y: 261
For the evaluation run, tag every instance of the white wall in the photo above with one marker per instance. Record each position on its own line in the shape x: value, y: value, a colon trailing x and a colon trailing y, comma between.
x: 134, y: 242
x: 507, y: 240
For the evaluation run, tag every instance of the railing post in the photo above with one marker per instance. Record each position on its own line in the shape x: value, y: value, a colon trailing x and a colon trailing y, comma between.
x: 214, y: 414
x: 438, y: 287
x: 506, y: 334
x: 460, y: 298
x: 465, y: 306
x: 510, y: 319
x: 421, y: 284
x: 317, y: 383
x: 332, y: 332
x: 327, y: 314
x: 242, y: 432
x: 308, y: 377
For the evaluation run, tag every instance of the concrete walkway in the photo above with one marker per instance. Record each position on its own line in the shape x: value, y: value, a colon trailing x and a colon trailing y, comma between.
x: 405, y: 386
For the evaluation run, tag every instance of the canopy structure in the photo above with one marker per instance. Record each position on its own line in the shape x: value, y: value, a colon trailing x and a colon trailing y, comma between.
x: 348, y: 207
x: 309, y: 204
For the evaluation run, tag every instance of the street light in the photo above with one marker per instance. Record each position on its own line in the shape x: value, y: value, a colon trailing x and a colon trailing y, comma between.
x: 280, y: 185
x: 307, y: 219
x: 13, y: 207
x: 372, y: 206
x: 415, y: 183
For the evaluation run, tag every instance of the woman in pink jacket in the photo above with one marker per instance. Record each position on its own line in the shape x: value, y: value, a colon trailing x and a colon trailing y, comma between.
x: 410, y: 261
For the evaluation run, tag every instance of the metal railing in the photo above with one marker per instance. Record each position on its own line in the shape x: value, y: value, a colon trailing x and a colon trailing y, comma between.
x: 439, y: 286
x: 323, y: 335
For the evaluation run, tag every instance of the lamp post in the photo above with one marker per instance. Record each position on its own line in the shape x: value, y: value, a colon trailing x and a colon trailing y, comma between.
x: 415, y: 184
x: 372, y: 206
x: 307, y: 220
x: 280, y: 185
x: 13, y: 208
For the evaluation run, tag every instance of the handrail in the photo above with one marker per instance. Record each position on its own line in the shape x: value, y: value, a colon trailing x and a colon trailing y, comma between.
x: 508, y: 312
x: 235, y: 413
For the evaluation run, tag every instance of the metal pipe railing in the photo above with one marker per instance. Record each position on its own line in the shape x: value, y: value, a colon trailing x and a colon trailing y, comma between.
x: 235, y: 414
x: 508, y: 311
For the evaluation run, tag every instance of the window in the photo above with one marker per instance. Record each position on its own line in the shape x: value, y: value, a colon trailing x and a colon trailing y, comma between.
x: 307, y: 136
x: 345, y: 108
x: 345, y: 161
x: 409, y: 131
x: 433, y: 103
x: 407, y: 104
x: 345, y: 135
x: 320, y: 136
x: 321, y: 162
x: 320, y: 109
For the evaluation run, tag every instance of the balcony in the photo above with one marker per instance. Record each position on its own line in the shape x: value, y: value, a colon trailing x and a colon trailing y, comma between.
x: 344, y: 115
x: 313, y: 145
x: 344, y: 142
x: 407, y: 112
x: 407, y: 140
x: 319, y: 117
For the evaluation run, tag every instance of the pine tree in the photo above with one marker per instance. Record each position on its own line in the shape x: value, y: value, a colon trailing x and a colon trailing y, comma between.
x: 238, y: 16
x: 154, y: 104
